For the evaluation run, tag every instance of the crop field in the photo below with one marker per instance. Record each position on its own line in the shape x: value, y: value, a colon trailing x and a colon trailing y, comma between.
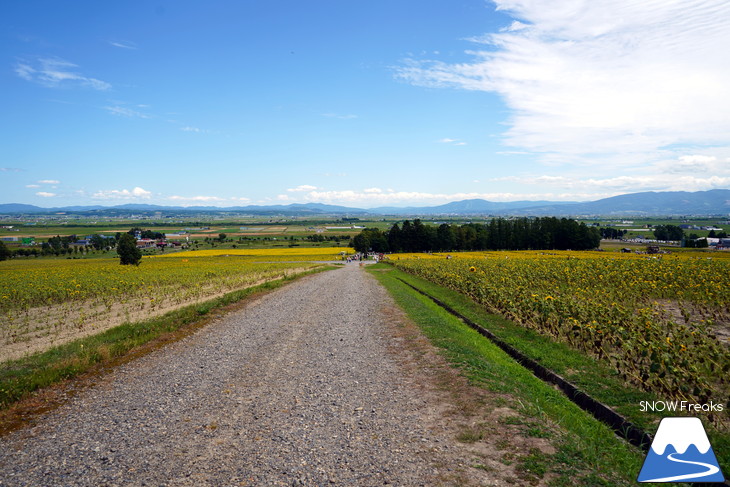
x: 47, y: 302
x: 661, y: 321
x: 269, y: 254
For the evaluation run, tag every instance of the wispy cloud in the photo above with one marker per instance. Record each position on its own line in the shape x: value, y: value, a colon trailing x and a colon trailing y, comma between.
x: 33, y: 186
x: 10, y: 169
x: 125, y: 112
x: 591, y: 82
x: 45, y: 194
x: 623, y: 184
x: 301, y: 188
x: 449, y: 141
x: 49, y: 181
x: 124, y: 44
x: 370, y: 198
x: 122, y: 194
x: 197, y: 199
x: 338, y: 116
x: 196, y: 130
x: 55, y: 73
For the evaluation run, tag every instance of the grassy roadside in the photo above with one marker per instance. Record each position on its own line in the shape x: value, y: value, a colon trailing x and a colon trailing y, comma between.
x: 587, y: 451
x: 20, y: 378
x: 595, y: 378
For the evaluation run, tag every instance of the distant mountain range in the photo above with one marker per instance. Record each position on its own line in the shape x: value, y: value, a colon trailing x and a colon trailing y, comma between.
x: 714, y: 202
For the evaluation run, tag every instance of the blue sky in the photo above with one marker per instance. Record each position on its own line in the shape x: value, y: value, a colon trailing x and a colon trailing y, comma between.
x: 361, y: 103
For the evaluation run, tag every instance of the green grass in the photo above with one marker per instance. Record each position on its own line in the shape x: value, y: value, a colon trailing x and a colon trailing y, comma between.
x: 19, y: 378
x: 588, y: 452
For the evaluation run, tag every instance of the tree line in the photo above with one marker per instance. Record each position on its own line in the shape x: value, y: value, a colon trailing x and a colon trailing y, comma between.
x: 548, y: 233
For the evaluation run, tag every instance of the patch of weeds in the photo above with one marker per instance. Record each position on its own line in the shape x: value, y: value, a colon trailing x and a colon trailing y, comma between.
x: 534, y: 465
x: 471, y: 435
x: 513, y: 420
x: 531, y: 428
x: 508, y: 458
x: 537, y: 431
x: 501, y: 444
x: 500, y: 402
x: 593, y: 480
x: 481, y: 466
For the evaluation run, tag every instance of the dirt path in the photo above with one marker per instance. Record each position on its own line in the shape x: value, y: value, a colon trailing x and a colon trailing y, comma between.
x: 308, y: 385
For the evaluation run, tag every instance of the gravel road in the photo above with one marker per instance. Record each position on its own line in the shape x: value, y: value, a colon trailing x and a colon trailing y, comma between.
x: 300, y: 387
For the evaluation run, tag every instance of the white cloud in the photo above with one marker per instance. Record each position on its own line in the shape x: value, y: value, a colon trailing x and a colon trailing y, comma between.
x: 197, y: 199
x: 124, y: 44
x: 123, y: 194
x: 618, y: 79
x: 300, y: 188
x: 33, y: 186
x: 191, y: 129
x: 341, y: 117
x: 49, y: 181
x: 190, y: 200
x: 694, y: 164
x: 447, y: 140
x: 10, y: 169
x: 125, y: 112
x: 56, y: 72
x: 624, y: 184
x: 45, y: 194
x: 370, y: 199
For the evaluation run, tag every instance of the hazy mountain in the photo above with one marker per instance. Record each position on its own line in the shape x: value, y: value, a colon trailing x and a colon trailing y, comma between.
x: 20, y: 208
x: 464, y: 207
x: 668, y: 203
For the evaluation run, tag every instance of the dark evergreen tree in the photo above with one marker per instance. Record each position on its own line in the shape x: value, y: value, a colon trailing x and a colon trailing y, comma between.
x: 394, y: 238
x: 5, y: 252
x: 128, y: 252
x: 445, y: 238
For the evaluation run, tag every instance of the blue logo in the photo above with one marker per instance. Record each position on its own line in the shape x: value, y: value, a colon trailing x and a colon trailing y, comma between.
x: 681, y: 452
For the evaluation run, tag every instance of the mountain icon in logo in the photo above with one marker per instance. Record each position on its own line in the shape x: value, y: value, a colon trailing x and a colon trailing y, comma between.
x: 681, y: 452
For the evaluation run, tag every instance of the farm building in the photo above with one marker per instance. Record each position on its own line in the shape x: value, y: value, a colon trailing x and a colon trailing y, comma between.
x: 146, y: 243
x: 722, y: 243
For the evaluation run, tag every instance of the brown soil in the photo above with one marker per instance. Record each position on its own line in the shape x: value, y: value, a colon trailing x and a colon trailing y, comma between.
x: 490, y: 435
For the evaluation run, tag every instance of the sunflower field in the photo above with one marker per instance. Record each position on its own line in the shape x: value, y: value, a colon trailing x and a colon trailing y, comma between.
x: 63, y: 299
x: 661, y: 321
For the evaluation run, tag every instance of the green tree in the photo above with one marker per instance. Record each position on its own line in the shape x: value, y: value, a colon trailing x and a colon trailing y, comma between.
x: 445, y: 237
x: 222, y: 237
x: 370, y: 239
x: 97, y: 242
x: 5, y: 252
x: 668, y: 232
x: 128, y: 252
